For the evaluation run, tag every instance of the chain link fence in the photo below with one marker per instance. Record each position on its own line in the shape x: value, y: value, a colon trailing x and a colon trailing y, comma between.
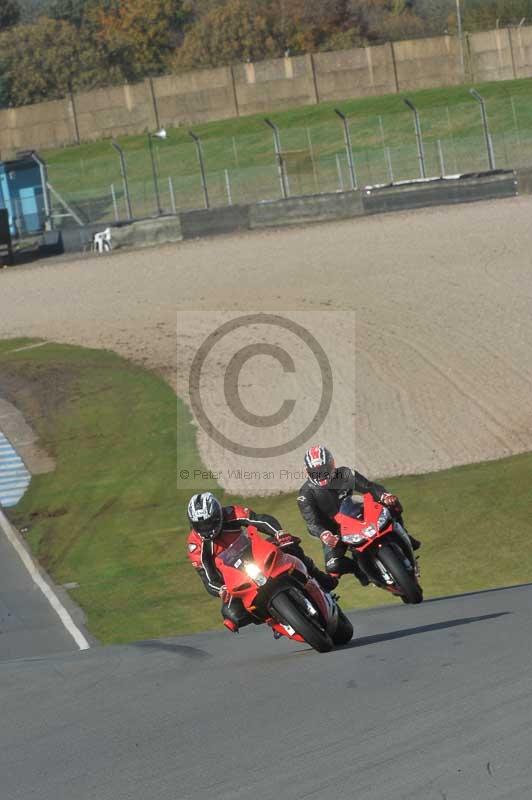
x: 183, y: 171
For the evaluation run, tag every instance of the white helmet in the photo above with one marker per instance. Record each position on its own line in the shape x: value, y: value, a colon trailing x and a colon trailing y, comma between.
x: 205, y: 514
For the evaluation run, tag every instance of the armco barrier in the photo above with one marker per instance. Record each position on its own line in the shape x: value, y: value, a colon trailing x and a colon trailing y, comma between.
x: 440, y: 191
x: 315, y: 208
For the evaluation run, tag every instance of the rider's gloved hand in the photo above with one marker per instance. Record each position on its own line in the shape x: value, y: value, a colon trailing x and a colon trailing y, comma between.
x: 329, y: 539
x: 391, y: 501
x: 284, y: 539
x: 224, y: 594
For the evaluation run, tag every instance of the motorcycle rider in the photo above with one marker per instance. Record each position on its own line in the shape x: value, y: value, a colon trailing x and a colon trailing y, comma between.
x: 320, y: 499
x: 215, y: 528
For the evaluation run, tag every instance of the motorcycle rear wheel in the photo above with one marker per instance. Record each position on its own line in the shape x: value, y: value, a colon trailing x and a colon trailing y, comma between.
x: 404, y: 580
x: 287, y: 611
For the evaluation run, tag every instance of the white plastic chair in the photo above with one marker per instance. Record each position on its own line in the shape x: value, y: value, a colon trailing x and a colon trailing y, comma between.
x: 101, y: 242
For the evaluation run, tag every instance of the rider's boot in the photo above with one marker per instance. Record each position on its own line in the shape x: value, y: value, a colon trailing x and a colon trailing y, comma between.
x: 231, y: 626
x: 415, y: 543
x: 326, y: 581
x: 359, y: 573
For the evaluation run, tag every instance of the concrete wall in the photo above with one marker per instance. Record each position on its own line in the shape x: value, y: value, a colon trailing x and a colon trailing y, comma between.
x: 313, y: 208
x: 214, y: 221
x: 39, y: 126
x: 425, y: 63
x: 195, y: 97
x: 490, y: 56
x: 524, y: 181
x: 213, y: 94
x: 148, y: 233
x: 521, y: 42
x: 355, y: 73
x: 317, y: 208
x: 114, y: 111
x: 274, y: 85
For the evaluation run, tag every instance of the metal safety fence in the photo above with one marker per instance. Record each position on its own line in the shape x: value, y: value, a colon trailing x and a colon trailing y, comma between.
x: 169, y: 172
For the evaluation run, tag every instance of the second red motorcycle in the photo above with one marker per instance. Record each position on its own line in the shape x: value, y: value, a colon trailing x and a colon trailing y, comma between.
x: 382, y: 547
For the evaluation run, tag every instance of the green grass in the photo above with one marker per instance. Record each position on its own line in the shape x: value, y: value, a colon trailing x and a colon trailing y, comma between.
x: 111, y: 519
x: 381, y: 129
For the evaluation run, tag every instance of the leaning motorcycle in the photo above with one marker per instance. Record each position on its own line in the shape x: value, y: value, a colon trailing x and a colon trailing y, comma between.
x: 276, y: 589
x: 381, y: 546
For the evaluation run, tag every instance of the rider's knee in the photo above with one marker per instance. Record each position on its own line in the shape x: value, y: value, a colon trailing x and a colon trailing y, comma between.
x: 338, y: 565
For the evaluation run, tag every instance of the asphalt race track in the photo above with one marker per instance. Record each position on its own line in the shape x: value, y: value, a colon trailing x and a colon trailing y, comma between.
x: 28, y: 624
x: 430, y: 703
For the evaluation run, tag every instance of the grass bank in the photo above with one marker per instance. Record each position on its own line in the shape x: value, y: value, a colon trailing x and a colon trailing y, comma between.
x: 111, y: 519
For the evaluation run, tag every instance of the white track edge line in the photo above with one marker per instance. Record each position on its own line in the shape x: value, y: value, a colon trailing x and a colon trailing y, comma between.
x: 39, y: 581
x: 25, y: 347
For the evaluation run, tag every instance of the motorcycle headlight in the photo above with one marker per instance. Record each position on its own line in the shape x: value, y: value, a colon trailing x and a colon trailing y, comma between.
x: 369, y: 531
x: 354, y: 538
x: 255, y: 574
x: 384, y: 519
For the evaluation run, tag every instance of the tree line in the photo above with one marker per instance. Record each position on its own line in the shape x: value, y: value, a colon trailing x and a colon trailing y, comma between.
x: 49, y: 48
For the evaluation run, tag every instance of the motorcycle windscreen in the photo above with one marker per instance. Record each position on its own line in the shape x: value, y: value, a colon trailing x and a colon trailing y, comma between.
x: 235, y: 553
x: 351, y: 508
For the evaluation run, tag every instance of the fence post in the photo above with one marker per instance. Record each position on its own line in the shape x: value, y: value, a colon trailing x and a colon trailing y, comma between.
x: 199, y: 151
x: 154, y: 176
x: 388, y: 159
x: 123, y: 172
x: 386, y: 151
x: 228, y: 187
x: 279, y: 156
x: 339, y: 170
x: 440, y: 157
x: 516, y: 124
x: 314, y: 170
x: 48, y: 221
x: 484, y: 114
x: 348, y: 147
x: 115, y: 204
x: 419, y: 138
x: 172, y: 194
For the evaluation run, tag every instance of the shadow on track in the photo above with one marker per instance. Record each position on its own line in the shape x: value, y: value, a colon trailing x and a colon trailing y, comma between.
x: 436, y: 626
x: 477, y: 592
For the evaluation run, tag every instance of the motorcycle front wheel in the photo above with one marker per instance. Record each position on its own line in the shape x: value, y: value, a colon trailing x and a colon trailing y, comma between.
x: 344, y: 632
x: 403, y: 578
x: 287, y: 610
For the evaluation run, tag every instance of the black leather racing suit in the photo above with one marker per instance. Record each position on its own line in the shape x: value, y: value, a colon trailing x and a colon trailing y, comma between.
x: 319, y: 504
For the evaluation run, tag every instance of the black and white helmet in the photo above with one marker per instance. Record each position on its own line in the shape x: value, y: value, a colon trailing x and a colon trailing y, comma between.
x: 320, y: 465
x: 205, y: 514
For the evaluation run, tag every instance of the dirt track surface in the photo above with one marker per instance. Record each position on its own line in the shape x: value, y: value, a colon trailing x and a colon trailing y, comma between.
x: 443, y: 302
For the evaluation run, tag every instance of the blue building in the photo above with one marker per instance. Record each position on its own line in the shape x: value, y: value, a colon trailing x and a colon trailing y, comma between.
x: 22, y: 194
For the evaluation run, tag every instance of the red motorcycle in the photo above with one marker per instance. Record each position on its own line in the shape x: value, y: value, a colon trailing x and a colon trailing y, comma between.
x: 276, y: 589
x: 381, y: 546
